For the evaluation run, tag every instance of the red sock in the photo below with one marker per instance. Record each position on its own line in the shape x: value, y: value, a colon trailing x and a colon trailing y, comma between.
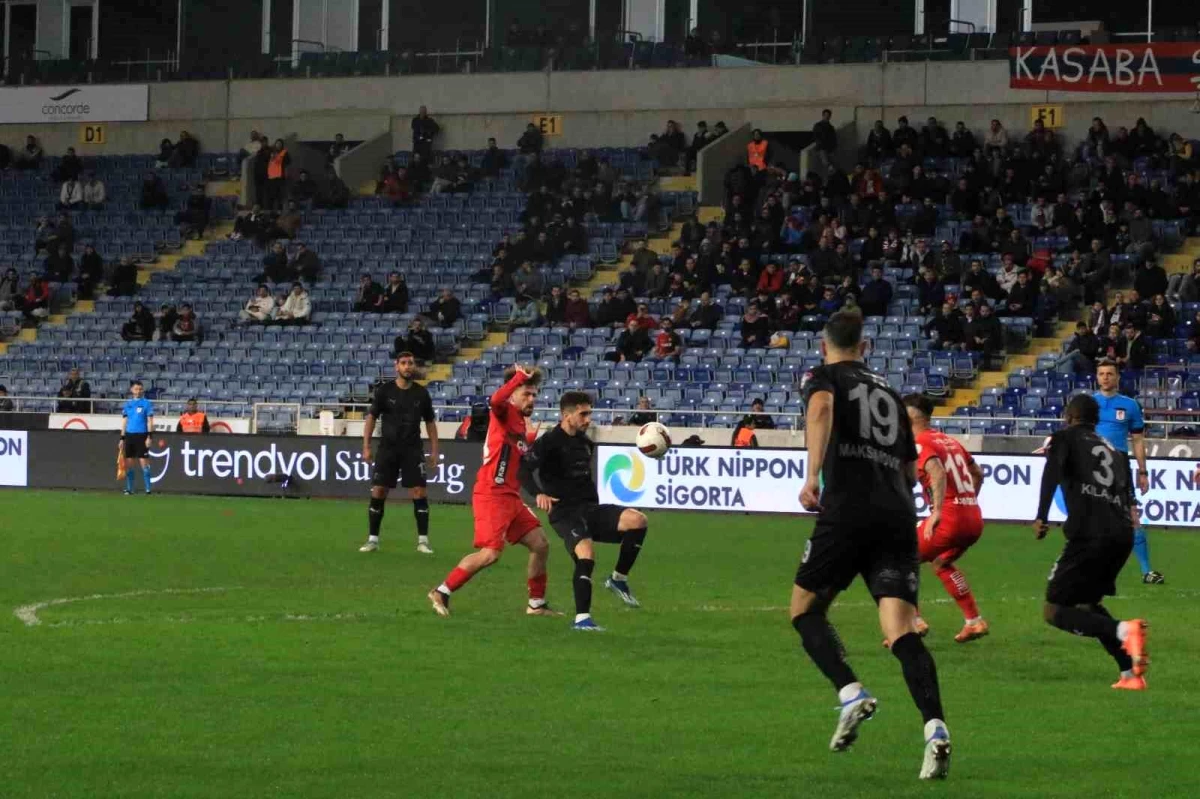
x: 537, y: 586
x: 457, y: 578
x: 956, y: 586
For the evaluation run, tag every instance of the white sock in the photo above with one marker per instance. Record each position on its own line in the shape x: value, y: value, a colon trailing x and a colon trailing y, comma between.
x: 373, y: 539
x: 537, y: 603
x: 933, y: 725
x: 443, y: 590
x: 850, y: 691
x: 422, y: 539
x: 975, y: 620
x: 581, y: 616
x: 1122, y: 630
x: 1127, y: 674
x: 620, y: 577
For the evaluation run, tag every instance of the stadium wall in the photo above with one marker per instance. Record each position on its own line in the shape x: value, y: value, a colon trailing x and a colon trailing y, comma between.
x: 608, y: 108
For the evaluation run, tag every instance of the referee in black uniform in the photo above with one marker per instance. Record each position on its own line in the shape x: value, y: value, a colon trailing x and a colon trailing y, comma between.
x: 557, y: 470
x: 402, y: 405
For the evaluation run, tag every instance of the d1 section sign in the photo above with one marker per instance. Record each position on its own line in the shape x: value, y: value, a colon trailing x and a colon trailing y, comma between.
x: 1166, y: 67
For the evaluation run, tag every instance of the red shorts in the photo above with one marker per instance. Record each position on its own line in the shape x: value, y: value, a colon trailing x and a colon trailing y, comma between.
x: 501, y: 520
x: 960, y: 527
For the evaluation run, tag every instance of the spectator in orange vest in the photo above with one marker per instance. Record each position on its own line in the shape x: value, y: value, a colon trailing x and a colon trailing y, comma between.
x: 193, y: 421
x: 758, y: 150
x: 276, y: 185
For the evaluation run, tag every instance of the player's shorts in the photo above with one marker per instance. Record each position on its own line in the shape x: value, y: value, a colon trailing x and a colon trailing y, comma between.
x: 957, y: 531
x: 884, y: 552
x: 597, y: 522
x: 1087, y: 569
x: 403, y: 465
x: 501, y: 520
x: 135, y: 445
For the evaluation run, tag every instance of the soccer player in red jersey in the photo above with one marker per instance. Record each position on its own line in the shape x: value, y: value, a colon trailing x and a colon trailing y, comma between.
x: 951, y: 479
x: 500, y: 515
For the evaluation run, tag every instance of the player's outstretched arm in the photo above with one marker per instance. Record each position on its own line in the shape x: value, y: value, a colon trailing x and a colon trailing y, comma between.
x: 818, y: 427
x: 502, y: 394
x: 368, y: 431
x: 1056, y: 453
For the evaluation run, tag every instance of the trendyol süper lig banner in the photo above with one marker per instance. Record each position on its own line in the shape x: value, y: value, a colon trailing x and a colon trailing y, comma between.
x: 1167, y: 67
x: 769, y: 481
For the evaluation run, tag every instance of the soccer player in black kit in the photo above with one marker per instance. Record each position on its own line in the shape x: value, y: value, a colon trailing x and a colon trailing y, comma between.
x: 557, y: 470
x: 402, y: 404
x: 1099, y: 532
x: 860, y: 439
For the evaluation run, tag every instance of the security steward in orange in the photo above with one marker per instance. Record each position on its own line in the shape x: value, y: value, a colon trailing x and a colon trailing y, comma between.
x: 193, y: 421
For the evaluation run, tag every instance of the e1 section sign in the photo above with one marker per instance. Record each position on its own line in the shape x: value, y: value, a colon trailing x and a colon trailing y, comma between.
x: 769, y: 481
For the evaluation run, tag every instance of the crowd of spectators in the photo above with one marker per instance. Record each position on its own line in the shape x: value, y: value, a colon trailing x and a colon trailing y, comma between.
x: 1054, y: 219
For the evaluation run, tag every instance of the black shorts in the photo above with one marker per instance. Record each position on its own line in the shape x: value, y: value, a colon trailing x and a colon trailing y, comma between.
x: 883, y: 552
x: 600, y: 523
x: 1087, y: 569
x: 404, y: 465
x: 135, y: 445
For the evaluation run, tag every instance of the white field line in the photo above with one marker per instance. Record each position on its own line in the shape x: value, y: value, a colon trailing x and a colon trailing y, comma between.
x: 28, y: 614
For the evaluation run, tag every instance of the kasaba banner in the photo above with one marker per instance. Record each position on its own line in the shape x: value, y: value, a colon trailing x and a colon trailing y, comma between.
x: 769, y: 481
x: 273, y: 466
x: 1165, y: 67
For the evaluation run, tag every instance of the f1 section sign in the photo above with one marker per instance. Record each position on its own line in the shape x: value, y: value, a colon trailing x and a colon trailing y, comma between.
x: 1167, y: 67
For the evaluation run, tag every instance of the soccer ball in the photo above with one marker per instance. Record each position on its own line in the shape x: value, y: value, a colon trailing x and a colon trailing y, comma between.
x: 653, y: 440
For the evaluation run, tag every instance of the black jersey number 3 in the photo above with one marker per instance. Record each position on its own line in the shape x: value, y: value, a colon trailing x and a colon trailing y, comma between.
x: 1104, y: 474
x: 878, y: 415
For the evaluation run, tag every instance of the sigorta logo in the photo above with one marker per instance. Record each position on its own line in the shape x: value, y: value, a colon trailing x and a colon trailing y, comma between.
x: 625, y: 475
x: 66, y: 94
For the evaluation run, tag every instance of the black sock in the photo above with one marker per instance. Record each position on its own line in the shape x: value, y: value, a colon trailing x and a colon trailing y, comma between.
x: 1084, y: 622
x: 375, y: 515
x: 631, y: 545
x: 583, y: 584
x: 421, y: 511
x: 1112, y: 644
x: 921, y: 675
x: 824, y: 648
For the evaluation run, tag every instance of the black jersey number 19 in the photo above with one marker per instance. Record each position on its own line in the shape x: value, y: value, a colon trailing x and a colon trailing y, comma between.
x: 878, y: 415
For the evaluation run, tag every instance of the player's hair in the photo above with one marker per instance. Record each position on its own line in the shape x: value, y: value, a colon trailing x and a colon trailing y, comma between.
x: 920, y: 402
x: 533, y: 381
x: 135, y: 383
x: 1100, y: 364
x: 1084, y: 409
x: 571, y: 400
x: 405, y: 354
x: 844, y: 329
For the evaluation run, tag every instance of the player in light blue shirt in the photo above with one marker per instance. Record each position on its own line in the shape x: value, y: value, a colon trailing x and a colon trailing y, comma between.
x: 137, y: 423
x: 1121, y: 424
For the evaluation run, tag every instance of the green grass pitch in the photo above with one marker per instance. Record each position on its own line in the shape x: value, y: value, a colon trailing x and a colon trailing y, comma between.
x: 307, y: 669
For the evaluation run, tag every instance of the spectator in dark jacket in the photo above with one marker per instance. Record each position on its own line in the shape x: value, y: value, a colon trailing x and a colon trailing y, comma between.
x: 945, y: 329
x: 59, y: 265
x: 140, y: 325
x: 418, y: 341
x: 633, y: 343
x: 395, y: 295
x: 825, y: 139
x: 876, y: 294
x: 1151, y: 279
x: 306, y: 264
x: 446, y: 309
x: 153, y: 193
x: 1132, y: 351
x: 1081, y: 352
x: 184, y: 153
x: 424, y: 131
x: 1022, y: 297
x: 369, y: 295
x: 275, y: 266
x: 578, y: 314
x: 707, y: 315
x: 983, y: 331
x: 930, y: 292
x: 124, y: 279
x: 494, y: 159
